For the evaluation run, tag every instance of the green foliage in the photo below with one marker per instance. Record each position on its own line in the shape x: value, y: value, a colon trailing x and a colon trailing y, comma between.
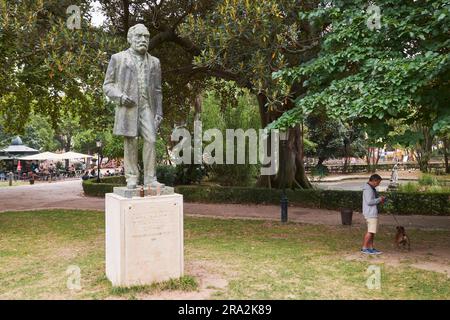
x: 59, y: 165
x: 190, y: 173
x: 426, y: 184
x: 106, y: 185
x: 401, y: 202
x: 408, y: 187
x: 166, y: 175
x: 49, y: 69
x: 185, y: 283
x: 37, y: 134
x: 248, y: 39
x: 243, y: 116
x: 327, y: 134
x: 398, y: 71
x: 320, y: 171
x: 438, y: 188
x: 428, y: 180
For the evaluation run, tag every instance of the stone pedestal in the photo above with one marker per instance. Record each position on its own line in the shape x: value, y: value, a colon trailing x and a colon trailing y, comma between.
x: 392, y: 187
x: 130, y: 193
x: 144, y: 239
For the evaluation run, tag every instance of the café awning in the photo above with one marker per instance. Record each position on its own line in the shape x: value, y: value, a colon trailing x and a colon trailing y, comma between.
x: 43, y: 156
x: 74, y: 155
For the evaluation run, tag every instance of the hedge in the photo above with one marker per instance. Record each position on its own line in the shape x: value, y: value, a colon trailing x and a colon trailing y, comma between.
x: 106, y: 185
x: 358, y: 168
x: 403, y: 203
x: 400, y: 202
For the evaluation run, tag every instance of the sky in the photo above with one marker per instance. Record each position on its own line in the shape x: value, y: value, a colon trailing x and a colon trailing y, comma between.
x: 97, y: 16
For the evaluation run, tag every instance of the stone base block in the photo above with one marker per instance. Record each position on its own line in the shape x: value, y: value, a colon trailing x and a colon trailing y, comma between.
x: 144, y: 239
x: 130, y: 193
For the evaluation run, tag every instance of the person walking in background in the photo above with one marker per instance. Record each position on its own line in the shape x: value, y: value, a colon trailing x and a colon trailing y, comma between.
x: 370, y: 212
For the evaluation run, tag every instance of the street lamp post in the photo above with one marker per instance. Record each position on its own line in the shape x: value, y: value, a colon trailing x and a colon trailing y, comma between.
x: 282, y: 165
x: 99, y: 151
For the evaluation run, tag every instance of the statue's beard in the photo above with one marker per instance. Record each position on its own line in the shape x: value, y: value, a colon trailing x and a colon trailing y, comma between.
x: 141, y: 48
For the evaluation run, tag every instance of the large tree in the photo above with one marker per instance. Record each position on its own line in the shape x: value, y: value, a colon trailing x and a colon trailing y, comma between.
x: 49, y: 68
x: 397, y: 69
x: 251, y: 40
x: 247, y: 41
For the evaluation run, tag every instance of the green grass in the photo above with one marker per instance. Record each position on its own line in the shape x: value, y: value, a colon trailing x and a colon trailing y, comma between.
x: 259, y: 260
x: 185, y: 283
x: 15, y: 183
x: 426, y: 183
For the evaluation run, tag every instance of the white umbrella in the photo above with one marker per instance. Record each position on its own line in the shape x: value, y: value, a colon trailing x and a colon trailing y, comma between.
x: 74, y: 155
x: 43, y: 156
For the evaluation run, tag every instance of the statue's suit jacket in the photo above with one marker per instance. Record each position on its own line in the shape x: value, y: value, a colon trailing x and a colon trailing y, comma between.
x: 122, y: 78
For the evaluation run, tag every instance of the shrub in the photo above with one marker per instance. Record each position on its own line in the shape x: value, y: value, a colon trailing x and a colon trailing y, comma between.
x: 424, y: 187
x: 405, y: 203
x: 320, y: 171
x: 400, y: 202
x: 408, y: 187
x: 428, y: 180
x: 166, y: 175
x: 190, y: 173
x: 437, y: 189
x: 234, y: 175
x: 106, y: 185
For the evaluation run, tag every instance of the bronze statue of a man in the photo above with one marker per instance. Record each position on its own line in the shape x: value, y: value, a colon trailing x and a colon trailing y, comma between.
x: 133, y: 83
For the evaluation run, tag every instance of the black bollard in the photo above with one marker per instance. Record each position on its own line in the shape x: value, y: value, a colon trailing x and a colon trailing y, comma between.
x: 284, y: 207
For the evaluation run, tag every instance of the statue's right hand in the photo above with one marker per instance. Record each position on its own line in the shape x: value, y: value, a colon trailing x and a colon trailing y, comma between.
x: 127, y: 102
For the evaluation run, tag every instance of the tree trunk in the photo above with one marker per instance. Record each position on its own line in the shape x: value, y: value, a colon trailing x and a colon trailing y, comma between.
x: 446, y: 148
x: 377, y: 158
x: 369, y: 159
x: 424, y: 149
x: 320, y: 161
x: 295, y: 169
x: 372, y: 159
x: 126, y: 16
x: 346, y: 155
x: 67, y: 149
x: 198, y: 107
x: 300, y: 172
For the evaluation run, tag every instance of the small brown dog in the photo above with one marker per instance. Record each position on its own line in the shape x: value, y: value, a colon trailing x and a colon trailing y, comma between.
x: 401, y: 238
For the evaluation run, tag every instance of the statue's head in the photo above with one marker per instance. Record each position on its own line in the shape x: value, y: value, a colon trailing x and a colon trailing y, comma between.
x: 139, y: 37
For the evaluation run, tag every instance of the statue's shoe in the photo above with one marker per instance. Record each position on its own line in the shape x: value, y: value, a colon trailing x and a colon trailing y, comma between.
x: 155, y: 184
x: 131, y: 183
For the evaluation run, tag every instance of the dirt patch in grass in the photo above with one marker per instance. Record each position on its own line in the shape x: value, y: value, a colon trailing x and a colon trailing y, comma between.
x: 209, y: 284
x: 424, y: 254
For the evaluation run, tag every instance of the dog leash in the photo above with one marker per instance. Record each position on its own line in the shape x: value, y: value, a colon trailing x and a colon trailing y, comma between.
x: 394, y: 196
x: 396, y: 221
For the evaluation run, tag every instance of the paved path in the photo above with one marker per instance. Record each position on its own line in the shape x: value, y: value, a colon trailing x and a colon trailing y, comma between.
x: 69, y: 195
x: 65, y: 195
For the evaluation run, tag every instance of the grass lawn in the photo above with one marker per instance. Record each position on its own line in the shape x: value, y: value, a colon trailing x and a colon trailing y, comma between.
x: 256, y: 259
x: 15, y: 183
